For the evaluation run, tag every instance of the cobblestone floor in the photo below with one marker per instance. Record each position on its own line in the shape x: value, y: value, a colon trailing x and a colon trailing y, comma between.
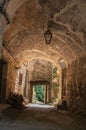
x: 41, y: 119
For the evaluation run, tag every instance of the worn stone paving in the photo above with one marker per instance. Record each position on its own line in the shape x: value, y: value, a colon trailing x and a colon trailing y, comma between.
x: 41, y: 119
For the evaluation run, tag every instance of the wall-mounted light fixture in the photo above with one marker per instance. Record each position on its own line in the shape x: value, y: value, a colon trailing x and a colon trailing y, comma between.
x: 48, y: 36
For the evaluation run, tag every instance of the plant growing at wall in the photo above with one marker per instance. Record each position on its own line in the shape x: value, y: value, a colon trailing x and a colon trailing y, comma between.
x: 55, y: 78
x: 55, y: 84
x: 54, y: 74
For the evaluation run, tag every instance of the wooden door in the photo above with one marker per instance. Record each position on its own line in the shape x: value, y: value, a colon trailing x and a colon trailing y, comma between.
x: 3, y: 79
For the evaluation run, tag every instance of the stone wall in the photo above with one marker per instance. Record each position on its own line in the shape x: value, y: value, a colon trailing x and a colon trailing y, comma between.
x: 0, y: 46
x: 42, y: 70
x: 11, y: 72
x: 76, y: 86
x: 63, y: 83
x: 20, y: 79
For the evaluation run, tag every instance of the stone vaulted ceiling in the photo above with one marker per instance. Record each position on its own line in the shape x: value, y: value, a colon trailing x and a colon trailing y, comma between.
x: 29, y: 20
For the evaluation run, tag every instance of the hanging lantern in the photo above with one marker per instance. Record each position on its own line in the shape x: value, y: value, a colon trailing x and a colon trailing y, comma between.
x: 48, y: 36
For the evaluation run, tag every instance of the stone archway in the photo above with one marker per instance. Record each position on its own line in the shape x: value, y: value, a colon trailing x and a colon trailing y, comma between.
x: 40, y: 71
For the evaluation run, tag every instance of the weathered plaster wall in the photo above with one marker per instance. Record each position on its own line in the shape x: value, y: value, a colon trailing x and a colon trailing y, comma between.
x: 20, y: 79
x: 42, y: 70
x: 76, y: 86
x: 11, y: 73
x: 2, y: 27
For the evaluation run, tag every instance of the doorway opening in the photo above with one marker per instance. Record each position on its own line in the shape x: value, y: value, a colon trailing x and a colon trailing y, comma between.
x: 3, y: 80
x: 38, y: 94
x: 40, y: 89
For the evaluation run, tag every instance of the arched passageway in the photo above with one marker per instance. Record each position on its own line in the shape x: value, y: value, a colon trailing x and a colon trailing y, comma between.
x: 23, y: 40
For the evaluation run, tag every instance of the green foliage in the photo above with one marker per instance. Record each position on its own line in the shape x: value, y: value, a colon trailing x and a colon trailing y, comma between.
x: 55, y: 85
x: 54, y: 99
x: 39, y: 90
x: 54, y: 75
x: 55, y: 70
